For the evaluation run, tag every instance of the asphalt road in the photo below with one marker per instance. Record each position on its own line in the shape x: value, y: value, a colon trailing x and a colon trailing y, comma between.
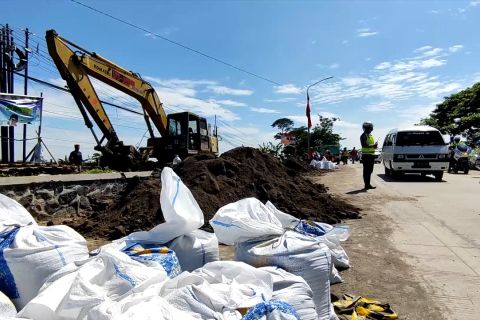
x: 434, y: 227
x: 440, y: 235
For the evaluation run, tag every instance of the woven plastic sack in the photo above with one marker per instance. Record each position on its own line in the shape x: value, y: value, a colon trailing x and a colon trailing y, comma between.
x: 29, y: 255
x: 180, y: 210
x: 13, y: 214
x: 219, y: 289
x: 195, y: 249
x: 7, y: 309
x: 294, y: 290
x: 154, y: 255
x: 298, y: 254
x: 79, y: 287
x: 272, y: 310
x: 139, y: 305
x: 244, y: 220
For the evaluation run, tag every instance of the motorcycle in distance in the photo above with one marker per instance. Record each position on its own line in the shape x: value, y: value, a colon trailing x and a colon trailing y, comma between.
x: 459, y: 160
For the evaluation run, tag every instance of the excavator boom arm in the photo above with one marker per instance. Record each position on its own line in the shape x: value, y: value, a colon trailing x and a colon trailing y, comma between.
x: 76, y: 65
x: 79, y: 84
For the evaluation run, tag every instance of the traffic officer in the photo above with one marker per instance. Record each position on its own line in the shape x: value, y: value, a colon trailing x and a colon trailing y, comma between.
x: 368, y: 150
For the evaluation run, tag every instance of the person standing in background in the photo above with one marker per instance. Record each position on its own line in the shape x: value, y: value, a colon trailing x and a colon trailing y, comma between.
x: 368, y: 151
x: 76, y: 157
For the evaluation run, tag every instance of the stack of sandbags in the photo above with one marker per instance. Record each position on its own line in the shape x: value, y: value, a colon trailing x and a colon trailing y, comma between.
x: 297, y: 254
x: 30, y: 254
x: 79, y: 287
x: 192, y: 247
x: 266, y: 237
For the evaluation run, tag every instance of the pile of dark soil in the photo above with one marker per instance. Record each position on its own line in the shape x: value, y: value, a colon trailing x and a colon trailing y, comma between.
x: 247, y: 172
x: 215, y: 182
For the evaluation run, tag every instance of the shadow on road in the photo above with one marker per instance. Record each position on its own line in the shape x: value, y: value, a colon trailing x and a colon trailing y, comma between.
x: 356, y: 191
x: 408, y: 178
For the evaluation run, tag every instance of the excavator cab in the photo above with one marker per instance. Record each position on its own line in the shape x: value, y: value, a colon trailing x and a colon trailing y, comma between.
x: 188, y: 134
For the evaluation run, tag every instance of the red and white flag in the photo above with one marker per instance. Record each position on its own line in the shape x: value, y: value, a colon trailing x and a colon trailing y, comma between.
x: 309, y: 120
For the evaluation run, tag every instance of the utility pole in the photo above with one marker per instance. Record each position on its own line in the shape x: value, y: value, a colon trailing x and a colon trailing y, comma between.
x: 25, y: 92
x: 313, y: 84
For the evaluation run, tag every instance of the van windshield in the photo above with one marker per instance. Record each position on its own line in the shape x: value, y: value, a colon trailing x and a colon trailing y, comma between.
x: 419, y: 138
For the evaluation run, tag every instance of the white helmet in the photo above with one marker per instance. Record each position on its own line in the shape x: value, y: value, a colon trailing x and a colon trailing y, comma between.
x: 367, y: 124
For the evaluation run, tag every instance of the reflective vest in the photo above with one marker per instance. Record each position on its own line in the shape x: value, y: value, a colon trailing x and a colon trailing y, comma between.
x: 370, y: 141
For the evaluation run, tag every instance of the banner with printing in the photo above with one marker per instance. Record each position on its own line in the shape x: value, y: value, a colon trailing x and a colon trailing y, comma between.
x: 16, y: 109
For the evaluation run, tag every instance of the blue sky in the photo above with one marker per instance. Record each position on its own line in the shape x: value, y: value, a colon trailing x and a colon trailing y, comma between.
x: 391, y: 61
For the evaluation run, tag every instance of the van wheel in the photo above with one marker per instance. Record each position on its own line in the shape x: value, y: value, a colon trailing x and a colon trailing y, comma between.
x: 397, y: 174
x: 388, y: 173
x: 438, y: 176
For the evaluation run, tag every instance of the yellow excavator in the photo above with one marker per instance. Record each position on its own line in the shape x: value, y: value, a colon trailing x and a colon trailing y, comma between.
x: 182, y: 134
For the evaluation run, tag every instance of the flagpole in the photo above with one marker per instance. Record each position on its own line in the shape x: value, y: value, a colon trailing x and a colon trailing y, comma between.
x: 308, y: 104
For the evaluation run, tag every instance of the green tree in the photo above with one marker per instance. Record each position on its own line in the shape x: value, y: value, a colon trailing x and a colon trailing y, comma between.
x: 458, y: 113
x: 284, y: 125
x: 321, y: 134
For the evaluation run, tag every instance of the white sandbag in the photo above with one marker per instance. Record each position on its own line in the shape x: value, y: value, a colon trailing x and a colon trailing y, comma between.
x: 244, y: 220
x: 7, y: 309
x: 287, y: 220
x: 294, y: 290
x: 272, y: 310
x: 335, y: 276
x: 180, y: 210
x: 323, y: 232
x: 195, y: 249
x: 154, y: 255
x: 79, y: 287
x: 296, y: 253
x: 218, y: 289
x: 13, y: 213
x: 140, y: 305
x: 31, y: 254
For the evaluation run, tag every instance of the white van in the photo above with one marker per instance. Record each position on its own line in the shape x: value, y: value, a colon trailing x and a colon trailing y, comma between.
x: 418, y: 149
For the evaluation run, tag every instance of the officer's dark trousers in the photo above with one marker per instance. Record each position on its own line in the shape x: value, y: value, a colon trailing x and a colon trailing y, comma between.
x: 368, y: 161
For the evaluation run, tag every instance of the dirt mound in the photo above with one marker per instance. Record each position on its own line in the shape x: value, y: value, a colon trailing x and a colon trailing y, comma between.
x: 215, y: 182
x: 247, y: 172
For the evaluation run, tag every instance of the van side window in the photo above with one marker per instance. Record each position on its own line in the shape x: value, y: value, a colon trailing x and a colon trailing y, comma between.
x: 388, y: 140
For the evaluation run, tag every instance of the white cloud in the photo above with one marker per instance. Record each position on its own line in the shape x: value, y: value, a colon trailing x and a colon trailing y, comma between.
x: 208, y: 108
x: 379, y: 107
x: 334, y: 66
x: 230, y: 103
x: 383, y: 65
x: 288, y: 89
x: 345, y: 42
x: 175, y: 83
x: 264, y: 110
x: 474, y: 3
x: 432, y: 52
x: 455, y: 48
x: 422, y: 49
x: 429, y: 63
x: 281, y: 100
x: 365, y: 32
x: 222, y: 90
x: 313, y: 41
x: 434, y: 11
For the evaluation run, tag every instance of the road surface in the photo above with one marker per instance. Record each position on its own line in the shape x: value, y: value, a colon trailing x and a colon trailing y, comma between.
x: 418, y: 244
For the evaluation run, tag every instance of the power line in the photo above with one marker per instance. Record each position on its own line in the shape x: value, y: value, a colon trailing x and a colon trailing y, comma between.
x: 51, y: 85
x: 177, y: 43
